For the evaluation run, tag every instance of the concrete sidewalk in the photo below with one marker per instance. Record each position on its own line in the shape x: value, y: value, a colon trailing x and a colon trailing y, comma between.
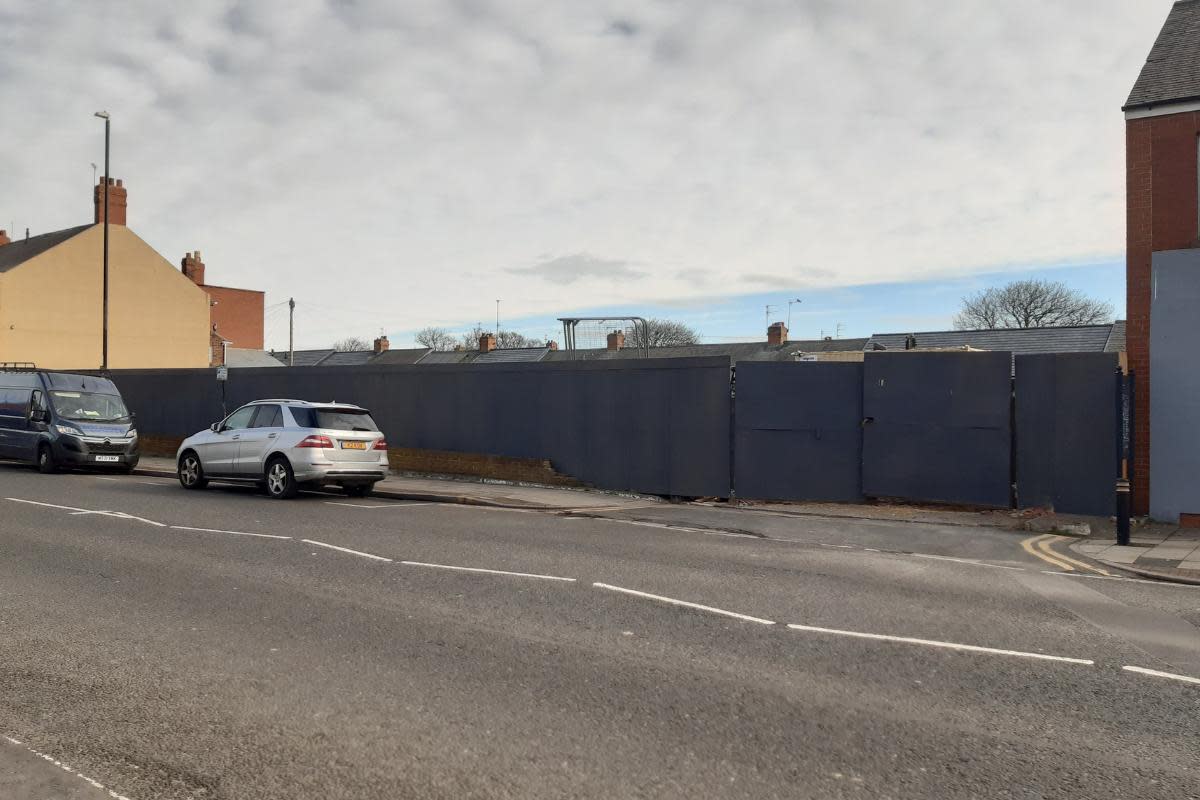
x: 1159, y: 551
x: 467, y: 492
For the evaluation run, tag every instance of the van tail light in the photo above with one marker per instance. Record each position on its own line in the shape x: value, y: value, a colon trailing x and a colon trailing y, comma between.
x: 316, y: 441
x: 381, y: 444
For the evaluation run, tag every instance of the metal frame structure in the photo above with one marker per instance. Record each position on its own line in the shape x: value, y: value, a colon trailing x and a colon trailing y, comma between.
x: 569, y: 324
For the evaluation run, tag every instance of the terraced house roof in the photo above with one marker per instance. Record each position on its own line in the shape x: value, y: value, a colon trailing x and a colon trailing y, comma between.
x: 1172, y: 70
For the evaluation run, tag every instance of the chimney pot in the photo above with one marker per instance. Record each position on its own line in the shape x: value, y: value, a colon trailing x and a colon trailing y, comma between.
x: 118, y: 199
x: 487, y: 343
x: 777, y: 334
x: 616, y: 340
x: 193, y: 267
x: 381, y: 345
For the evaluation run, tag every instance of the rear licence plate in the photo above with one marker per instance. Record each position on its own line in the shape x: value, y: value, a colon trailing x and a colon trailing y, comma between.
x: 110, y: 459
x: 354, y: 445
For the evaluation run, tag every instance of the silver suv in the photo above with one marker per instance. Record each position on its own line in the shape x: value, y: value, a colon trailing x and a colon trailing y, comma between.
x: 283, y: 445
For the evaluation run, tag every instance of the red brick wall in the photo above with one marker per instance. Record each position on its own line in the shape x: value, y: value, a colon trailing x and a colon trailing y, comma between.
x: 238, y: 315
x: 1161, y: 214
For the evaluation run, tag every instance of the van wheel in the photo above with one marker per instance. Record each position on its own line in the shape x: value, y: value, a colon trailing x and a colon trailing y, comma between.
x: 45, y: 460
x: 281, y: 481
x: 191, y: 472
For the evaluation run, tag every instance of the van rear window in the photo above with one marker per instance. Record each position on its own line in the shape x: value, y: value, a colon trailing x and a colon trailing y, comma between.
x: 334, y: 419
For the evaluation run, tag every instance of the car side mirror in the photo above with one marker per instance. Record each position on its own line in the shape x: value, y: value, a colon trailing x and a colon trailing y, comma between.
x: 39, y: 415
x: 215, y: 427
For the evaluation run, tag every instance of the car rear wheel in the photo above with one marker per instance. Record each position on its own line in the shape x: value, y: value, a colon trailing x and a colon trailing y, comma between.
x: 191, y: 472
x: 45, y: 460
x: 281, y: 481
x: 359, y: 489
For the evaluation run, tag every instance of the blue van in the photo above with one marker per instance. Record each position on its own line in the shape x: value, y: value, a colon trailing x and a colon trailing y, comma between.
x: 58, y: 419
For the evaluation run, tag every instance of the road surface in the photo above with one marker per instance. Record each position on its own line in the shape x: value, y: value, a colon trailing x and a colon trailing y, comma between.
x: 168, y: 644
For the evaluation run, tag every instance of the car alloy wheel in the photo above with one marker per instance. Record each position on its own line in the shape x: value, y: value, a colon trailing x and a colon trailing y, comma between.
x: 189, y: 471
x: 280, y: 481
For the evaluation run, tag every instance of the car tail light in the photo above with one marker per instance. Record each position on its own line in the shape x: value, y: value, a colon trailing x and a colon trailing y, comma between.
x: 316, y: 441
x: 381, y: 444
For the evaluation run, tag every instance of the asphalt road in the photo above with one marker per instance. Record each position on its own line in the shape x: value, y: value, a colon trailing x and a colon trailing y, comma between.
x: 151, y: 644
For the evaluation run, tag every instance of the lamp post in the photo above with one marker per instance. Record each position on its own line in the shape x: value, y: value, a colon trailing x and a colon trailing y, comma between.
x: 107, y: 176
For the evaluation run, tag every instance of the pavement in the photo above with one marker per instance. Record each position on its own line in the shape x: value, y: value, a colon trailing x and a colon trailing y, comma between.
x: 1159, y: 551
x: 158, y: 643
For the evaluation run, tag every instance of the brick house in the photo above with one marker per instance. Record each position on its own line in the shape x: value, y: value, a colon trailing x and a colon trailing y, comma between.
x: 1162, y: 139
x: 237, y: 314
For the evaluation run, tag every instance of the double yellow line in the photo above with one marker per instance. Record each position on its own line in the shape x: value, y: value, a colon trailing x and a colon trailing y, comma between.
x: 1040, y: 547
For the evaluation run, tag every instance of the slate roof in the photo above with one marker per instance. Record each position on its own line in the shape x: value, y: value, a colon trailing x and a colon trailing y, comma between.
x: 448, y: 357
x: 735, y: 351
x: 402, y: 356
x: 304, y: 358
x: 515, y: 355
x: 1079, y: 339
x: 1172, y: 70
x: 239, y: 357
x: 19, y: 251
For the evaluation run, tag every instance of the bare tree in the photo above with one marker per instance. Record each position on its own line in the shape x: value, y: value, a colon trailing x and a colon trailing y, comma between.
x: 435, y: 338
x: 470, y: 339
x: 662, y: 333
x: 1031, y: 304
x: 511, y: 340
x: 351, y: 344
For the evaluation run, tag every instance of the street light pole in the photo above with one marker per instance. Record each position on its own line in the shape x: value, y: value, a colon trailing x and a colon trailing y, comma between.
x: 790, y: 304
x: 107, y: 177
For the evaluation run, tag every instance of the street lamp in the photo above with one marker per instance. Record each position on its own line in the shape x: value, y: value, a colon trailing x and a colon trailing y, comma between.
x: 107, y: 176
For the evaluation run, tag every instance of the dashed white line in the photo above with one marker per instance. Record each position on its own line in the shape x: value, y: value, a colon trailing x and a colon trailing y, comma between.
x: 972, y: 562
x: 1116, y: 578
x: 971, y: 648
x: 46, y: 505
x: 683, y: 603
x: 65, y: 768
x: 376, y: 505
x: 233, y: 533
x: 488, y: 571
x: 1157, y: 674
x: 346, y: 550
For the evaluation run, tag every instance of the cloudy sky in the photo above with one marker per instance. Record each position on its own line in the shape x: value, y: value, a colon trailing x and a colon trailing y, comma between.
x: 399, y: 164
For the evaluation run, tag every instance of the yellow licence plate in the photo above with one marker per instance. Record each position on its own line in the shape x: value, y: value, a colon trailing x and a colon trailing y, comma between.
x: 354, y: 445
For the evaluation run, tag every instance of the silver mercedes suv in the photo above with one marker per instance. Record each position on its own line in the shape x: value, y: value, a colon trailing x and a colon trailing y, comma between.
x: 284, y: 445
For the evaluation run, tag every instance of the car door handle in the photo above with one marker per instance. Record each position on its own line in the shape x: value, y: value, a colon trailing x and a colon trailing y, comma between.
x: 238, y: 436
x: 272, y: 435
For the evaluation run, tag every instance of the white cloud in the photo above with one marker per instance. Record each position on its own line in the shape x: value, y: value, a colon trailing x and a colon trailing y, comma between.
x: 388, y: 163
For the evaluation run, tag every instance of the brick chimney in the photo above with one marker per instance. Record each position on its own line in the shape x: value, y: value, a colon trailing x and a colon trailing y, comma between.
x: 193, y: 267
x: 381, y: 345
x: 616, y: 340
x: 487, y: 343
x: 553, y: 345
x: 777, y: 334
x: 4, y: 237
x: 117, y: 200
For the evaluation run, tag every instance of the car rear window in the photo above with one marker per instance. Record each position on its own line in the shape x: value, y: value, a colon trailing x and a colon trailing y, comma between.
x: 335, y: 419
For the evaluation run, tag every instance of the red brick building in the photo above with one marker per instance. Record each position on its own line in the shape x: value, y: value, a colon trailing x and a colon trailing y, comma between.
x: 1162, y: 141
x: 237, y: 314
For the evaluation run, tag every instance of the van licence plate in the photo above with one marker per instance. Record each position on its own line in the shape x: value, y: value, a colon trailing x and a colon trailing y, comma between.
x: 354, y: 445
x: 110, y: 459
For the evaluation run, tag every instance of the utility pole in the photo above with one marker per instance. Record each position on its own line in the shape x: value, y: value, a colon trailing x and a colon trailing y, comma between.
x: 291, y: 331
x: 497, y: 323
x: 107, y: 178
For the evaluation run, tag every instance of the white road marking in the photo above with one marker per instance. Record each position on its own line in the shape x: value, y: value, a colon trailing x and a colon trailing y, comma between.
x: 488, y: 571
x: 934, y: 643
x: 234, y: 533
x: 684, y: 603
x: 822, y: 544
x: 346, y: 550
x: 1155, y: 673
x: 1116, y: 578
x: 103, y: 478
x: 65, y: 768
x: 84, y: 511
x: 970, y: 561
x: 662, y: 526
x: 376, y: 505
